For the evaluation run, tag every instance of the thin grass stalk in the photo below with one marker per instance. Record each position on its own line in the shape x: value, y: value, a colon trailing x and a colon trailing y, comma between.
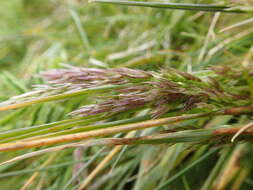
x: 60, y: 97
x: 102, y: 164
x: 190, y: 136
x: 180, y: 6
x: 36, y: 174
x: 100, y: 132
x: 125, y: 128
x: 45, y: 134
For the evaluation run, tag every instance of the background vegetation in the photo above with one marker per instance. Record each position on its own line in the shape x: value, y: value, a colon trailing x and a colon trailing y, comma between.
x: 37, y: 35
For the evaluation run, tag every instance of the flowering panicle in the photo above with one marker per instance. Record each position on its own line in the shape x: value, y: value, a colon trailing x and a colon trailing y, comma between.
x: 90, y: 77
x: 160, y: 92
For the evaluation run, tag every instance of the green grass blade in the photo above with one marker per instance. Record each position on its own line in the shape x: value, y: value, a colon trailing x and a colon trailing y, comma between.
x: 25, y: 130
x: 80, y: 28
x: 180, y: 6
x: 84, y: 166
x: 60, y: 97
x: 215, y: 172
x: 187, y: 168
x: 101, y: 126
x: 13, y: 82
x: 44, y: 129
x: 12, y: 116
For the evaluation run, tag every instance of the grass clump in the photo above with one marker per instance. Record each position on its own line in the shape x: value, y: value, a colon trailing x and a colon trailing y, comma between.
x: 116, y: 95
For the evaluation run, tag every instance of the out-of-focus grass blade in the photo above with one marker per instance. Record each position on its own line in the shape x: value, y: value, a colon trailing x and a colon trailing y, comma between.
x: 80, y: 28
x: 168, y: 5
x: 13, y: 82
x: 215, y: 172
x: 183, y: 171
x: 93, y: 158
x: 12, y: 116
x: 26, y: 171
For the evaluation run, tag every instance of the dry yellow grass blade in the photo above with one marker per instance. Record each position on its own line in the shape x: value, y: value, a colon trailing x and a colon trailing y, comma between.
x: 103, y: 164
x: 98, y: 133
x: 36, y: 174
x: 53, y: 149
x: 100, y: 167
x: 230, y: 170
x: 240, y: 179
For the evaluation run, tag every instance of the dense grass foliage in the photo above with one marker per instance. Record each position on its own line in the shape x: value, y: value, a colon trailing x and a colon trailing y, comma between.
x: 126, y: 94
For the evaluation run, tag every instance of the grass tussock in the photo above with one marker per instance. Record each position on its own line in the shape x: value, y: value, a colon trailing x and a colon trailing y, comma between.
x: 135, y: 95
